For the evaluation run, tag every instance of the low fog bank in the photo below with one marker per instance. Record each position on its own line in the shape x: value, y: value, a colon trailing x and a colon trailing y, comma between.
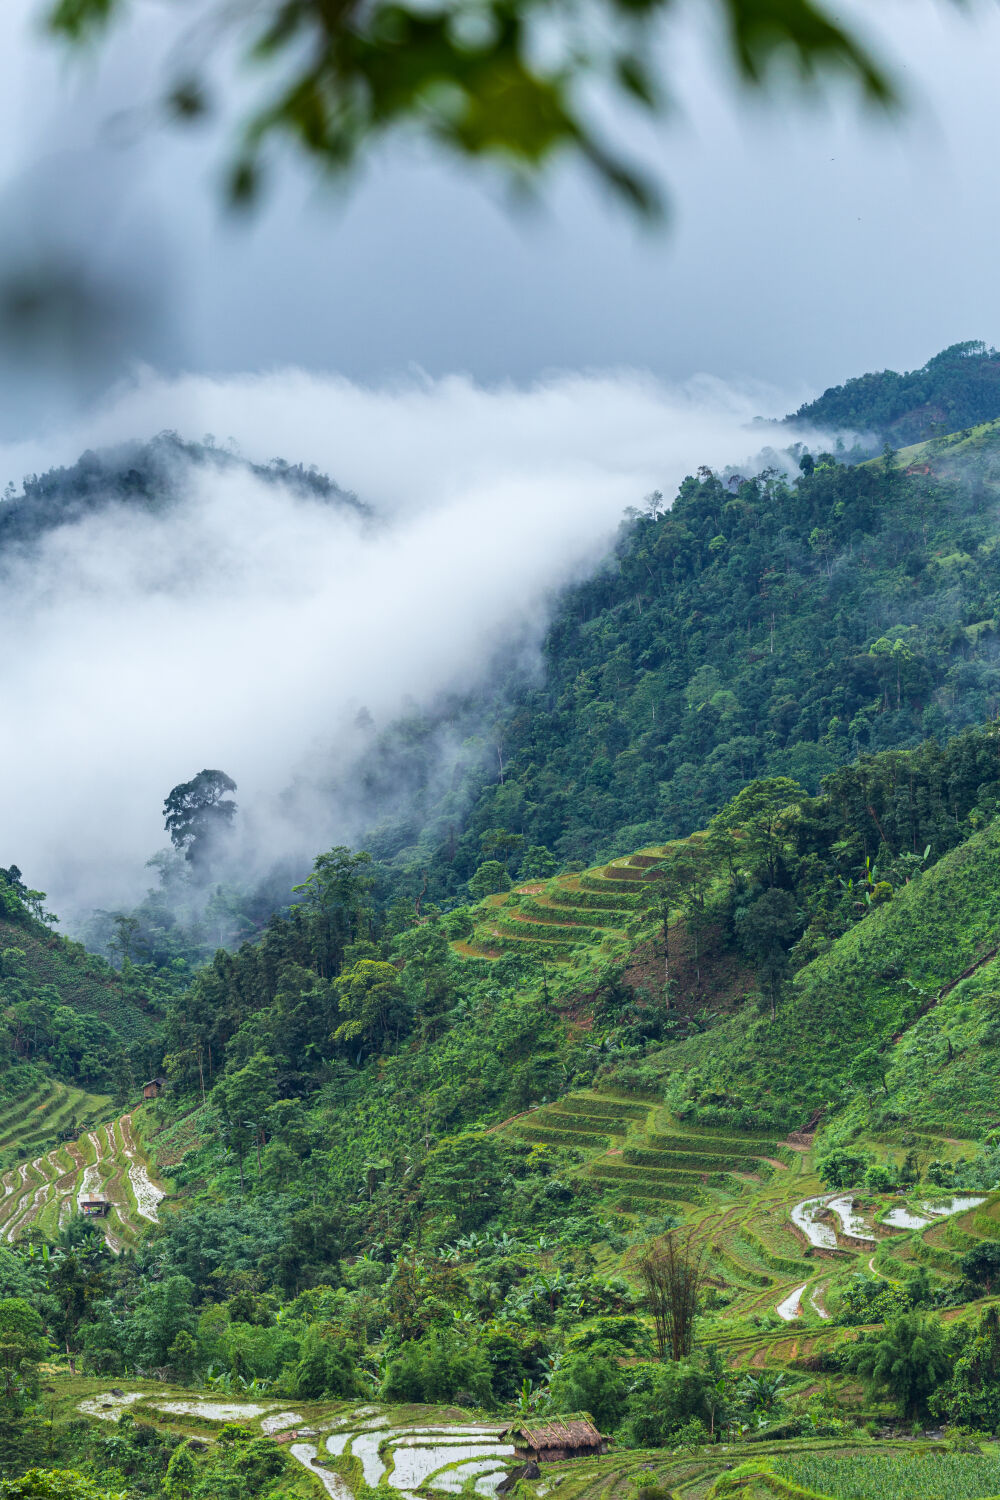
x: 246, y: 625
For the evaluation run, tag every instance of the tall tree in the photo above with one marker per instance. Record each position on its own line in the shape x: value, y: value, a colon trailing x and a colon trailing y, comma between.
x: 755, y: 828
x: 672, y: 1271
x: 198, y: 813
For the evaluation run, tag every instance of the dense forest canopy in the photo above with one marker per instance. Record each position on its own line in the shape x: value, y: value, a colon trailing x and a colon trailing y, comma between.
x: 759, y: 625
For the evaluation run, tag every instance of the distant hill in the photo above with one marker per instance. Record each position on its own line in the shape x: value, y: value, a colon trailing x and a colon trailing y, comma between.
x: 144, y: 475
x: 960, y: 387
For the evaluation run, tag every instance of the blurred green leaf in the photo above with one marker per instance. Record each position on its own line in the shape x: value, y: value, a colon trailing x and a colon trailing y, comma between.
x: 340, y: 73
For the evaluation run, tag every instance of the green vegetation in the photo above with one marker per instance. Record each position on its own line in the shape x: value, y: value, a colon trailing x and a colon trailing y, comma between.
x: 951, y: 1476
x: 701, y: 1139
x: 755, y: 628
x: 339, y: 82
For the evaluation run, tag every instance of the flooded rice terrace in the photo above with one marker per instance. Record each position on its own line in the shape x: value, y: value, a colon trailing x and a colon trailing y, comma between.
x: 405, y: 1457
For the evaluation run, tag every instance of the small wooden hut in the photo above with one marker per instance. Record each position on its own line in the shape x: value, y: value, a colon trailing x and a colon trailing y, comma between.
x: 154, y: 1088
x: 559, y: 1438
x: 95, y: 1207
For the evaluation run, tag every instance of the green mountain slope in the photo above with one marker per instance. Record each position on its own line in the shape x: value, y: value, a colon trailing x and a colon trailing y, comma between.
x: 758, y: 627
x: 892, y: 985
x: 418, y: 1152
x: 66, y: 1014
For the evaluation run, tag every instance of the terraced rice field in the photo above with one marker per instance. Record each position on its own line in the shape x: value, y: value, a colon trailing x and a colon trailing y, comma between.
x: 552, y: 920
x: 642, y: 1168
x: 776, y: 1246
x: 106, y: 1161
x: 432, y: 1454
x: 829, y: 1470
x: 44, y: 1113
x: 438, y: 1451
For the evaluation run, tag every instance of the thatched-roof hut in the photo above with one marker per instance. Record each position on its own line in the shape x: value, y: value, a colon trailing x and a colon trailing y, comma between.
x: 573, y: 1436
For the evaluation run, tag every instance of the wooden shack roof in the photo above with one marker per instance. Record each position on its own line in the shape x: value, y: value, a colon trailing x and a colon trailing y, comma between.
x: 577, y: 1430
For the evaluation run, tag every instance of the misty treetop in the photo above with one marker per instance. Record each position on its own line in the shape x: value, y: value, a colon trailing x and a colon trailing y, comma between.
x: 152, y: 476
x: 198, y: 814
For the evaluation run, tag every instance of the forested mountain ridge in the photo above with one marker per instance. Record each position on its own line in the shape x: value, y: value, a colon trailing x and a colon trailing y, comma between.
x: 149, y: 475
x: 960, y: 387
x: 439, y: 1133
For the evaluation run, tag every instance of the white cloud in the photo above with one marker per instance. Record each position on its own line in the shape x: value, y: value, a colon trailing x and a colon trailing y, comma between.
x: 242, y: 627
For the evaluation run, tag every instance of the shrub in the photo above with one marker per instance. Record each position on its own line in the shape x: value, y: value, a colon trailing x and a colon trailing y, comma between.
x: 593, y: 1382
x: 909, y: 1359
x: 666, y: 1399
x: 325, y: 1368
x: 880, y: 1177
x: 840, y: 1168
x: 981, y: 1265
x: 438, y: 1367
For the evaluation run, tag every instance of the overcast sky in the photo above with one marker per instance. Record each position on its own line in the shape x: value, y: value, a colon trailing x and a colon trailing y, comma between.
x: 804, y: 247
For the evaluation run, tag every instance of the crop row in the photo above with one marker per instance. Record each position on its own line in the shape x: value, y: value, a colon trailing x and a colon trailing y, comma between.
x: 631, y: 1203
x: 555, y: 1119
x: 548, y: 1137
x: 567, y: 916
x: 686, y: 1161
x: 548, y: 932
x: 772, y: 1258
x: 723, y: 1144
x: 878, y: 1476
x: 505, y: 942
x: 626, y: 872
x: 623, y: 891
x: 599, y: 900
x: 664, y: 1192
x: 12, y: 1119
x: 587, y: 1104
x: 728, y: 1257
x: 637, y: 1174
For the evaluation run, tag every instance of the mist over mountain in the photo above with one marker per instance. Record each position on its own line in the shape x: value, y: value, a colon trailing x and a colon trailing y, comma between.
x: 202, y: 609
x: 568, y: 899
